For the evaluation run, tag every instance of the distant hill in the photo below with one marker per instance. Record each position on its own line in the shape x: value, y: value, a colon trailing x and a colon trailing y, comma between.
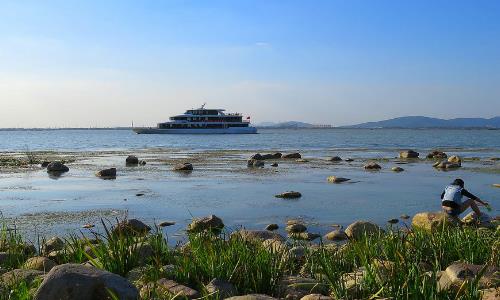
x: 426, y: 122
x: 289, y: 124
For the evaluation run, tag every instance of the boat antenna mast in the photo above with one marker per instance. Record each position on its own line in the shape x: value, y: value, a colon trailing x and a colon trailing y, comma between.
x: 203, y: 106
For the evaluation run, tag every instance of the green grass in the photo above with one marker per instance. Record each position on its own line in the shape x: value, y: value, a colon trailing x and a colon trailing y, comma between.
x: 397, y: 264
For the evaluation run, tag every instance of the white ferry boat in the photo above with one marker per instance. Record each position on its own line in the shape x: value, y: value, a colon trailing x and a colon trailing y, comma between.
x: 202, y: 121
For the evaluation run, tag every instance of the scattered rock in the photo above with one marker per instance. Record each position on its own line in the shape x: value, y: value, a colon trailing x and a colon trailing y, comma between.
x: 274, y: 164
x: 44, y: 164
x: 455, y: 160
x: 336, y: 235
x: 404, y: 217
x: 276, y: 155
x: 295, y: 287
x: 496, y: 185
x: 446, y: 165
x: 252, y: 297
x: 183, y: 167
x: 349, y: 160
x: 336, y: 179
x: 166, y: 223
x: 53, y: 244
x: 432, y: 220
x: 435, y: 154
x: 408, y: 154
x: 257, y: 235
x: 256, y: 156
x: 142, y: 162
x: 88, y: 226
x: 131, y: 227
x: 393, y: 221
x: 301, y: 160
x: 20, y: 275
x: 372, y: 166
x: 455, y: 275
x: 57, y: 167
x: 397, y: 169
x: 221, y: 288
x: 296, y: 228
x: 132, y: 160
x: 298, y: 253
x: 359, y: 229
x: 107, y: 173
x: 39, y: 263
x: 175, y: 288
x: 272, y: 227
x: 210, y: 223
x: 255, y: 163
x: 304, y: 236
x: 139, y: 194
x: 289, y: 195
x: 78, y: 282
x: 292, y: 155
x: 335, y: 158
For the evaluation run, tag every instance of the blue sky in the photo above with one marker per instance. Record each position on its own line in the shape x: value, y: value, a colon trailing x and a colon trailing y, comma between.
x: 106, y: 63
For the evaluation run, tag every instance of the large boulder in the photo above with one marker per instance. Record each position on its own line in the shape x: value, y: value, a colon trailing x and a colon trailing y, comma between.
x: 107, y: 173
x: 276, y: 155
x: 436, y: 154
x: 360, y: 229
x: 39, y: 263
x: 131, y: 160
x: 336, y: 235
x: 131, y: 227
x: 296, y: 228
x: 57, y: 167
x: 292, y: 155
x: 408, y: 154
x: 432, y: 220
x: 209, y: 223
x: 183, y: 167
x: 256, y: 156
x: 289, y: 195
x: 455, y: 275
x: 78, y: 282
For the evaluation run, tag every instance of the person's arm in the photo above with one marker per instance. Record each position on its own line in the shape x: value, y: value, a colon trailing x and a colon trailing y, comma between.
x: 467, y: 194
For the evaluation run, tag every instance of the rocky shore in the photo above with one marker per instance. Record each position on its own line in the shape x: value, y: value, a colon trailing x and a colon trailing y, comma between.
x: 434, y: 256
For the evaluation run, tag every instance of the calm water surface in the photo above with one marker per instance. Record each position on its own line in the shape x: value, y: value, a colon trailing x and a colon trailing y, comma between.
x: 221, y: 184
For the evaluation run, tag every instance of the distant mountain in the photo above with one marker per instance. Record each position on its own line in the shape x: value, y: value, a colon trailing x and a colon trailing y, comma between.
x: 289, y: 124
x: 426, y: 122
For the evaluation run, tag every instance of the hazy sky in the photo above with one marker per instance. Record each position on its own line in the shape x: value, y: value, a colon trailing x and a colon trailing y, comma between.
x: 108, y: 63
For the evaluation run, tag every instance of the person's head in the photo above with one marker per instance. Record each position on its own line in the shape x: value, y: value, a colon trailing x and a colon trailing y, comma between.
x: 458, y: 182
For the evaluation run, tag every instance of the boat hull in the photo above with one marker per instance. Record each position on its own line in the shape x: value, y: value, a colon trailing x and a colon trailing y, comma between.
x: 229, y: 130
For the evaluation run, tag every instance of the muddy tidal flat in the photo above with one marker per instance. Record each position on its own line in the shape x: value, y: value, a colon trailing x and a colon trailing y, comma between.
x: 221, y: 183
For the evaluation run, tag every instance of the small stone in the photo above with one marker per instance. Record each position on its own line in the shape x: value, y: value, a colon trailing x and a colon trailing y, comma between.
x: 166, y: 223
x: 316, y: 297
x: 408, y: 154
x: 57, y: 167
x: 183, y: 167
x: 496, y: 185
x: 455, y: 159
x: 397, y: 169
x: 302, y: 160
x: 372, y: 166
x: 359, y: 229
x: 336, y: 235
x: 335, y: 159
x: 210, y: 223
x: 393, y: 221
x: 437, y: 155
x: 132, y: 160
x: 107, y: 173
x: 221, y: 288
x: 296, y: 228
x: 292, y: 155
x: 39, y: 263
x: 336, y: 179
x: 175, y: 288
x: 272, y: 227
x: 87, y: 226
x: 404, y: 217
x: 349, y: 160
x: 53, y: 244
x: 139, y: 194
x: 44, y: 164
x: 142, y: 162
x: 257, y: 235
x: 252, y: 297
x: 253, y: 163
x: 289, y: 195
x: 304, y: 236
x: 131, y: 227
x: 274, y: 165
